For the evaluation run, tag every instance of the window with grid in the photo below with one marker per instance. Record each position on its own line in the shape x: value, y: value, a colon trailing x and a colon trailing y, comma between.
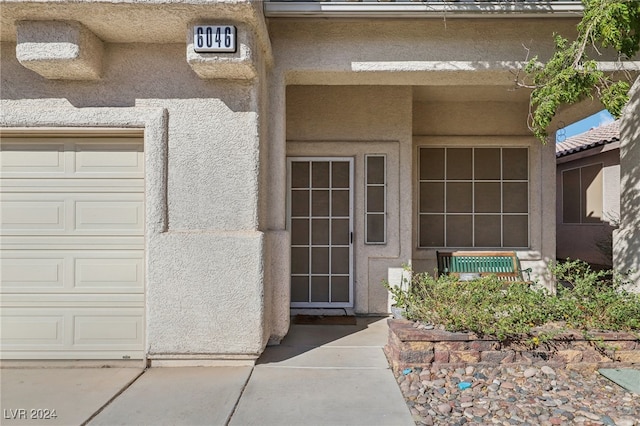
x: 473, y: 197
x: 375, y: 199
x: 582, y: 194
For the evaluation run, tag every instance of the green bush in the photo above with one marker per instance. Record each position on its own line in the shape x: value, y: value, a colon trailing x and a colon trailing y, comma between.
x: 586, y: 300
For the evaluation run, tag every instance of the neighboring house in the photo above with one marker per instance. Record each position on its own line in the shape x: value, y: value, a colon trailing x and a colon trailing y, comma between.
x: 169, y: 204
x: 588, y: 195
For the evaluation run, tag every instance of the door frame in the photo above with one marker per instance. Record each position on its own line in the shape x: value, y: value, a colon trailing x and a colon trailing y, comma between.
x: 351, y: 161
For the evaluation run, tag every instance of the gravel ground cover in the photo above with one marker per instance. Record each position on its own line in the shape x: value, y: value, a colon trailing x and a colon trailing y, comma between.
x: 516, y: 395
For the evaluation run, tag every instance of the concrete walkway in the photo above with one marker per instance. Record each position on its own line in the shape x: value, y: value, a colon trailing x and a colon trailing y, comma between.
x: 319, y: 375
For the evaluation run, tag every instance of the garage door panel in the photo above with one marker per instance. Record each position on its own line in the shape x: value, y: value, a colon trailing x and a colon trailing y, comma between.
x: 38, y: 157
x: 102, y: 242
x: 97, y: 330
x: 34, y: 274
x: 72, y: 157
x: 70, y: 331
x: 123, y: 217
x: 72, y: 300
x: 109, y: 275
x: 56, y: 271
x: 32, y: 328
x: 32, y: 216
x: 72, y: 258
x: 66, y: 186
x: 72, y: 214
x: 112, y: 158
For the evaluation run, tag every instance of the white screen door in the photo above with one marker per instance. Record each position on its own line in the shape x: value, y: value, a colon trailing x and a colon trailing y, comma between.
x: 320, y: 216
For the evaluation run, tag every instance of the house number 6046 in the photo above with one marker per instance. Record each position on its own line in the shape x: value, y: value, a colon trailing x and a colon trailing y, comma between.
x: 212, y: 38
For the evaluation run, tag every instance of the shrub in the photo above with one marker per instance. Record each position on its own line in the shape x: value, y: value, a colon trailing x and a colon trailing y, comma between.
x: 588, y: 300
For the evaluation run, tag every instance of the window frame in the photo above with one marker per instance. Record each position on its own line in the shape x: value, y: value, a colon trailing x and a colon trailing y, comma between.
x: 581, y: 193
x: 367, y: 185
x: 473, y: 181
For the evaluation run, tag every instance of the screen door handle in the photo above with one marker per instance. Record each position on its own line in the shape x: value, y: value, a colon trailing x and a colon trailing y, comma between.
x: 351, y: 237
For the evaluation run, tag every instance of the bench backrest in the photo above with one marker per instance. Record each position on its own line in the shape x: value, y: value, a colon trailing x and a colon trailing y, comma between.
x: 503, y: 264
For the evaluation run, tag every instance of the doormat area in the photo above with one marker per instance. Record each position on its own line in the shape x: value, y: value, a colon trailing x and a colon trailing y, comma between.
x: 324, y: 320
x: 628, y: 378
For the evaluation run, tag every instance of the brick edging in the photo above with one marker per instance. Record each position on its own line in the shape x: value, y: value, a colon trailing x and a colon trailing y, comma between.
x: 409, y: 346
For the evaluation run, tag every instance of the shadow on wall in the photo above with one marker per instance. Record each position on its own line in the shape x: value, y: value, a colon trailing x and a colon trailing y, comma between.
x: 627, y: 239
x: 148, y: 75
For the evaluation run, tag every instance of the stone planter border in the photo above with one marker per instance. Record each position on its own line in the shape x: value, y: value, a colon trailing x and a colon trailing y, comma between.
x: 409, y: 347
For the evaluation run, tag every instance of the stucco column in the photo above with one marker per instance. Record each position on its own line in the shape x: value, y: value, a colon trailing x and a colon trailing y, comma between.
x: 278, y: 244
x: 626, y: 240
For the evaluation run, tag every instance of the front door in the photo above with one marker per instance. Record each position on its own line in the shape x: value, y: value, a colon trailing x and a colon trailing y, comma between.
x: 320, y: 219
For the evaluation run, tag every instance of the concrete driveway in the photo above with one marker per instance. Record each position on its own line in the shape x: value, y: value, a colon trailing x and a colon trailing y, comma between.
x: 319, y: 375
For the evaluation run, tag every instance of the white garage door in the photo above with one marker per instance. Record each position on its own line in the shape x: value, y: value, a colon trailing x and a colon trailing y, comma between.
x: 72, y: 248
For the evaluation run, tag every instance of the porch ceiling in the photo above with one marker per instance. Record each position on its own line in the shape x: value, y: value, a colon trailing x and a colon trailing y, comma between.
x: 470, y: 94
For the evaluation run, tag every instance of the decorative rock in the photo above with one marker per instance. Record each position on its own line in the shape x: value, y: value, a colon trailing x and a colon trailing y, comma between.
x: 504, y: 395
x: 548, y: 370
x: 530, y: 372
x: 444, y: 408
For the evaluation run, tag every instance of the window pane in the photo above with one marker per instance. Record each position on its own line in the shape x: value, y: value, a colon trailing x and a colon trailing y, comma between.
x: 515, y: 231
x: 299, y: 260
x: 339, y: 289
x: 375, y: 199
x: 516, y: 197
x: 375, y: 169
x: 300, y: 289
x: 340, y: 174
x: 487, y: 197
x: 459, y: 231
x: 340, y: 260
x: 320, y: 260
x: 299, y: 203
x: 299, y: 174
x: 320, y: 231
x: 591, y: 181
x: 459, y: 163
x: 375, y: 228
x: 432, y: 197
x: 571, y: 196
x: 319, y: 289
x: 340, y: 203
x: 487, y: 231
x: 515, y: 164
x: 432, y: 163
x: 431, y: 231
x: 487, y: 163
x: 320, y: 203
x: 300, y: 231
x: 340, y: 231
x: 459, y: 197
x: 320, y: 174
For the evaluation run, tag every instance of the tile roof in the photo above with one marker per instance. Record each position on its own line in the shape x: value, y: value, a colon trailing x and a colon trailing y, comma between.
x: 595, y: 137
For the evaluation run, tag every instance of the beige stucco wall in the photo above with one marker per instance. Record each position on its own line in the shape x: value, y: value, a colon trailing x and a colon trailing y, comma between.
x: 457, y: 122
x: 217, y: 244
x: 205, y: 276
x: 626, y: 242
x: 581, y: 241
x: 353, y: 121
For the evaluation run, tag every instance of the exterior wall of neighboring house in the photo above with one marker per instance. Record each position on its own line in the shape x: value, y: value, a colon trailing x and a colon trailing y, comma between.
x: 626, y: 240
x: 589, y: 239
x: 219, y: 130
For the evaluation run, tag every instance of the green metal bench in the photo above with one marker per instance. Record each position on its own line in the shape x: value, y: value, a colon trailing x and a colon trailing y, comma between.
x: 504, y: 264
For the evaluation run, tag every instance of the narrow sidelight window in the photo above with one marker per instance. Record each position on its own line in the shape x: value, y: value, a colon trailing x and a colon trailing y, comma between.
x: 375, y: 199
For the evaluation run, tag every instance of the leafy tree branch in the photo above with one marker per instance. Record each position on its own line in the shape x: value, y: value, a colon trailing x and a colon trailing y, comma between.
x: 571, y: 75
